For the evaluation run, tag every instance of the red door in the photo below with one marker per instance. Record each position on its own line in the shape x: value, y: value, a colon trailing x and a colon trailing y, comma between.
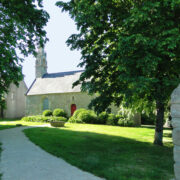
x: 73, y: 108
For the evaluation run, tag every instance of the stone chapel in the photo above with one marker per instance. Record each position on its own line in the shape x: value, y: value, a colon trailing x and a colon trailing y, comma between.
x: 54, y: 90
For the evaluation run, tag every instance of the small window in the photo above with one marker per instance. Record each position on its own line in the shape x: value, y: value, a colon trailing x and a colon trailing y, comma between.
x: 45, y: 104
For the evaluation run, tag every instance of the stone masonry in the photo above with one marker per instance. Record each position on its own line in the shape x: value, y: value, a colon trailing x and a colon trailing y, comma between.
x: 175, y: 113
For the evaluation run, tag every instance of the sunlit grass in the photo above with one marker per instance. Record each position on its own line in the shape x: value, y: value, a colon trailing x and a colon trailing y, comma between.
x: 10, y: 123
x: 115, y: 153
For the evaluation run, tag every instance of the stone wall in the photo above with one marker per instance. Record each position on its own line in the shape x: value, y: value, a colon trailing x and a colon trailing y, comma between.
x: 175, y: 113
x: 34, y: 103
x: 15, y: 101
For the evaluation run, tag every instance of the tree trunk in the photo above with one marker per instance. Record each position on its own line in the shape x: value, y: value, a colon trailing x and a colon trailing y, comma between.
x: 158, y: 138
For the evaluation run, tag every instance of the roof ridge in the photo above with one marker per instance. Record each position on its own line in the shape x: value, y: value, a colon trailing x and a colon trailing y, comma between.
x: 61, y: 74
x: 66, y: 72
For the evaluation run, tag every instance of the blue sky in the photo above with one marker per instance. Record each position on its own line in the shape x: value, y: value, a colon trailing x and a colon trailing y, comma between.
x: 59, y: 57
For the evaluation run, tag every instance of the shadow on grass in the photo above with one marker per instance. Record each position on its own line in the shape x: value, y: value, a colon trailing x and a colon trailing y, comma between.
x: 9, y: 120
x: 153, y: 127
x: 108, y: 156
x: 2, y: 127
x: 169, y: 135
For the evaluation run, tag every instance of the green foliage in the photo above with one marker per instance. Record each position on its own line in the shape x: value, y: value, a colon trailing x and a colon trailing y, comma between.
x: 36, y: 119
x: 112, y: 119
x: 47, y: 113
x: 59, y: 118
x: 43, y: 119
x: 83, y: 116
x: 125, y: 123
x: 102, y: 118
x: 110, y: 152
x: 74, y: 120
x: 130, y: 51
x: 21, y: 28
x: 88, y: 116
x: 76, y: 113
x: 148, y: 119
x: 59, y: 112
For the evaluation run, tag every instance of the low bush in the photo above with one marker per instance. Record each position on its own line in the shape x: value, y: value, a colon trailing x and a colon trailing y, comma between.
x: 58, y: 119
x: 148, y: 119
x: 36, y: 119
x: 76, y: 113
x: 88, y: 116
x: 102, y: 118
x: 47, y: 113
x: 125, y: 122
x: 59, y: 113
x: 74, y: 120
x: 112, y: 119
x: 83, y: 116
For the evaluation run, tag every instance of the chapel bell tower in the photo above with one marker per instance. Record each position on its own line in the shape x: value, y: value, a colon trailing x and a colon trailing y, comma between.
x: 41, y: 63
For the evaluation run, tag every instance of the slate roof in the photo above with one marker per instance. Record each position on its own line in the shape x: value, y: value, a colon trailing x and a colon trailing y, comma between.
x: 55, y: 83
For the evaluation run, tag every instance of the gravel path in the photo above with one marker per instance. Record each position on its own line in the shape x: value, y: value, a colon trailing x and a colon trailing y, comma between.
x: 22, y: 160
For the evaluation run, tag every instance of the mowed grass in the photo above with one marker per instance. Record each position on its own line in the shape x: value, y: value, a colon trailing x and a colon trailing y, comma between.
x: 115, y: 153
x: 12, y: 123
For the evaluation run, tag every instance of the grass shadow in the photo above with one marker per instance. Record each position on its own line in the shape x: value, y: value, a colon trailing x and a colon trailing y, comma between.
x: 108, y: 156
x: 9, y: 120
x: 2, y: 127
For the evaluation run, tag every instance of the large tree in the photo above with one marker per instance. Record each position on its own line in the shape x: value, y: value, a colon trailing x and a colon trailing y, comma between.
x: 21, y: 29
x: 130, y: 50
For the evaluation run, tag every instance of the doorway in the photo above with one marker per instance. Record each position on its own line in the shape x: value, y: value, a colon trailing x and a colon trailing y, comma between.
x: 73, y: 108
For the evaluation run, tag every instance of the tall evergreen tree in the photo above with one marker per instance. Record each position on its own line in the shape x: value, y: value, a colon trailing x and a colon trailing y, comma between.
x: 130, y: 50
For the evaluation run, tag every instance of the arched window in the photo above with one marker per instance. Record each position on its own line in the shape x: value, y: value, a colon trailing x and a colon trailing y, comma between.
x: 45, y: 103
x: 73, y: 108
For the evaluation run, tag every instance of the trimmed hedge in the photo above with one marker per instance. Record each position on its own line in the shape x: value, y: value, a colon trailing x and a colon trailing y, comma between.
x: 36, y: 119
x: 47, y: 113
x: 59, y: 113
x: 58, y: 119
x: 43, y: 119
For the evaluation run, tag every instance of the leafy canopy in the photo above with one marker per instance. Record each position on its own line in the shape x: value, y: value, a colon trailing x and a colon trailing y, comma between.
x: 21, y: 28
x: 130, y: 49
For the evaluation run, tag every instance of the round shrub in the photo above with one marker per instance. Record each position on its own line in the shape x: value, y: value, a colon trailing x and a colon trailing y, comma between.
x: 83, y: 116
x: 47, y: 113
x: 59, y: 113
x: 87, y: 116
x: 74, y: 120
x: 76, y: 113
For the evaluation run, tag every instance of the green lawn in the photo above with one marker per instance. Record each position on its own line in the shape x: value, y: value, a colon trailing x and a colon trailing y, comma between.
x: 115, y: 153
x: 11, y: 123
